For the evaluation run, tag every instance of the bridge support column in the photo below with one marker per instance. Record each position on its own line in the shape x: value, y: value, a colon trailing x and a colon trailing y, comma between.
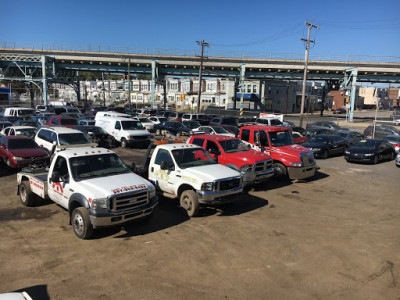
x: 241, y: 87
x: 44, y: 80
x: 154, y: 77
x: 349, y: 83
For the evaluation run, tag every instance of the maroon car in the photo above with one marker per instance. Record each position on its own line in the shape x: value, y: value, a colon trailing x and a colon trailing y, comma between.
x: 62, y: 121
x: 17, y: 151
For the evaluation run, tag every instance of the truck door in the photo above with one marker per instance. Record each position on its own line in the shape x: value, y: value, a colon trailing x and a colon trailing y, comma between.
x: 117, y: 131
x: 164, y: 178
x: 59, y: 190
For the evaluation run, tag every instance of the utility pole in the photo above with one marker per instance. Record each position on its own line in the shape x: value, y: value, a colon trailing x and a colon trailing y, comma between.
x: 303, y: 95
x: 202, y: 44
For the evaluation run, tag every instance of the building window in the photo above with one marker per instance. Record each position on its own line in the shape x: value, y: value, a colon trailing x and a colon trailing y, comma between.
x: 254, y: 89
x: 249, y: 88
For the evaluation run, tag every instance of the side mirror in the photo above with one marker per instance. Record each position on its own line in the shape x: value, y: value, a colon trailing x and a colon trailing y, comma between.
x: 55, y: 177
x: 214, y: 151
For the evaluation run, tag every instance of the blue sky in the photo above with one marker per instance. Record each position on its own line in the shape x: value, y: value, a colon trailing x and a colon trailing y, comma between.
x: 345, y: 27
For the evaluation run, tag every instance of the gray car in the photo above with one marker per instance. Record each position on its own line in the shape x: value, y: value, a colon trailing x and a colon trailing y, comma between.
x: 325, y: 125
x: 394, y: 140
x: 351, y: 137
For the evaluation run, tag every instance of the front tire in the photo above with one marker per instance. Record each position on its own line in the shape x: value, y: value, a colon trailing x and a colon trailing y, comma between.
x: 123, y: 143
x: 190, y: 203
x: 283, y: 171
x: 376, y: 159
x: 81, y: 225
x: 26, y: 195
x: 325, y: 154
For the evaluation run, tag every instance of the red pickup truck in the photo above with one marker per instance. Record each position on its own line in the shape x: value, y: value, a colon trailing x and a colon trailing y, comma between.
x: 232, y: 152
x: 292, y: 161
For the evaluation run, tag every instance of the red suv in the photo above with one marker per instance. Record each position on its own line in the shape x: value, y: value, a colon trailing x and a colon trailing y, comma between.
x: 17, y: 151
x: 62, y: 121
x: 254, y: 166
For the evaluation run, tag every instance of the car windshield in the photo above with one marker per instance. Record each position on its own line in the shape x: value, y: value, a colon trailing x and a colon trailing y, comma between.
x: 342, y: 134
x: 220, y: 130
x: 229, y: 121
x: 72, y: 139
x: 162, y: 119
x: 280, y: 138
x: 68, y: 122
x: 144, y: 120
x: 234, y: 145
x: 275, y: 122
x: 175, y: 125
x: 132, y: 125
x: 192, y: 125
x: 367, y: 144
x: 85, y: 167
x: 26, y: 112
x: 192, y: 157
x: 21, y: 144
x: 318, y: 139
x: 27, y: 132
x: 96, y: 130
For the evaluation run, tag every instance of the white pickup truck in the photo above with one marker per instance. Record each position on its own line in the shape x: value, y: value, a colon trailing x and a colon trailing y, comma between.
x: 189, y: 173
x: 93, y: 184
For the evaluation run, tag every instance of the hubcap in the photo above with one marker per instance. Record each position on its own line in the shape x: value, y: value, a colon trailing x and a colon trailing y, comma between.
x: 187, y: 204
x: 23, y: 193
x: 78, y: 224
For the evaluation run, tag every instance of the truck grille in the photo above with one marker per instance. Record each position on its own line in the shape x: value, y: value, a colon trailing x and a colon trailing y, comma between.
x: 263, y: 165
x: 230, y: 184
x: 128, y: 201
x: 307, y: 159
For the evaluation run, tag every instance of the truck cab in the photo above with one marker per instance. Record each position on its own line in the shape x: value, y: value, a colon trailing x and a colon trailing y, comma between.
x: 189, y: 173
x: 292, y: 161
x: 93, y: 184
x: 253, y: 165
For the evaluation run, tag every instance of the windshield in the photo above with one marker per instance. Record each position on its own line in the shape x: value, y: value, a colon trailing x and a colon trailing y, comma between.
x: 22, y: 144
x: 85, y: 167
x: 192, y: 157
x: 366, y: 144
x: 275, y: 122
x: 26, y: 112
x: 280, y: 138
x: 68, y: 122
x: 144, y: 120
x: 220, y: 130
x: 96, y: 130
x: 176, y: 125
x: 132, y: 125
x: 234, y: 145
x: 27, y: 132
x: 72, y: 139
x: 318, y: 139
x: 342, y: 134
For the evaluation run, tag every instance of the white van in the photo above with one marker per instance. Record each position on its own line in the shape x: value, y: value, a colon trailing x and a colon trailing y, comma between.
x: 125, y: 130
x: 101, y: 114
x: 18, y: 112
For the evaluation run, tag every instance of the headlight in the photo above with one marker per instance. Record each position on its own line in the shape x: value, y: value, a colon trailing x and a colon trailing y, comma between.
x: 246, y: 168
x: 16, y: 158
x: 368, y: 154
x: 99, y: 203
x: 298, y: 165
x: 347, y: 152
x: 152, y: 190
x: 207, y: 186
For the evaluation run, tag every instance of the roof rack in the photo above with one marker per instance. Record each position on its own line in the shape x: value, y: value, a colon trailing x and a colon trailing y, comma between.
x: 63, y: 147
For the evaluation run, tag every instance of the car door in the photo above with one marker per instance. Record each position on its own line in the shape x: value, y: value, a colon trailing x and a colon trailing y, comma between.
x: 164, y: 178
x: 212, y: 149
x: 59, y: 190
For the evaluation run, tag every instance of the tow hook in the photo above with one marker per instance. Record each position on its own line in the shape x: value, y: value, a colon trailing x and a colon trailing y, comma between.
x: 277, y: 171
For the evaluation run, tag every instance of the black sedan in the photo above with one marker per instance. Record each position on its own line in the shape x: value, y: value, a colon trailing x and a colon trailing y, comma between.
x: 351, y: 137
x: 371, y: 151
x: 326, y: 145
x: 191, y: 124
x: 317, y: 131
x: 173, y: 127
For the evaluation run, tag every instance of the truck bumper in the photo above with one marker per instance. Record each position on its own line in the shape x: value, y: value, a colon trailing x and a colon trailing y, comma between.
x: 219, y: 197
x: 254, y: 177
x: 302, y: 172
x: 111, y: 220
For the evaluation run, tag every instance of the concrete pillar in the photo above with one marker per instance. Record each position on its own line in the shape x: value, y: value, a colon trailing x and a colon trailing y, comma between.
x: 44, y: 80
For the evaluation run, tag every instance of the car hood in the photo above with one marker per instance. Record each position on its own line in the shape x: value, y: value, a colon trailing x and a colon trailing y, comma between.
x: 292, y: 150
x: 137, y: 132
x: 249, y: 157
x: 102, y: 187
x: 209, y: 172
x: 28, y: 152
x: 314, y: 145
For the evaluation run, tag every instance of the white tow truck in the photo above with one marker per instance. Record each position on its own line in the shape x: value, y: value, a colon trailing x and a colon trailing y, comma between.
x: 93, y: 184
x: 188, y: 172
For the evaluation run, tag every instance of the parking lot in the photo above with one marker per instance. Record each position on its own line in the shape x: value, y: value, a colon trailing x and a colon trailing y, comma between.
x: 335, y: 236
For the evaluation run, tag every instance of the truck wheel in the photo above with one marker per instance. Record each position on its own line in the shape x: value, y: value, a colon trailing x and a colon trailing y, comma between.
x: 282, y: 170
x: 376, y: 159
x: 189, y: 202
x: 81, y: 223
x: 123, y: 143
x: 26, y: 195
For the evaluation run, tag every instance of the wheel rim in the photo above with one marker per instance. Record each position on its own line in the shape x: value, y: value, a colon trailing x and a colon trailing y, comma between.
x: 79, y: 224
x: 187, y: 204
x: 22, y: 192
x: 8, y: 162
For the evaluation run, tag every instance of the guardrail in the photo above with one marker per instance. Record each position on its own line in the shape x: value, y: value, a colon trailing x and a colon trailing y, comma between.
x: 180, y: 52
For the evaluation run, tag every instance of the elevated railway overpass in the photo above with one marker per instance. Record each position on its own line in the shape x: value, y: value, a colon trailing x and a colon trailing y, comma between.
x: 26, y: 62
